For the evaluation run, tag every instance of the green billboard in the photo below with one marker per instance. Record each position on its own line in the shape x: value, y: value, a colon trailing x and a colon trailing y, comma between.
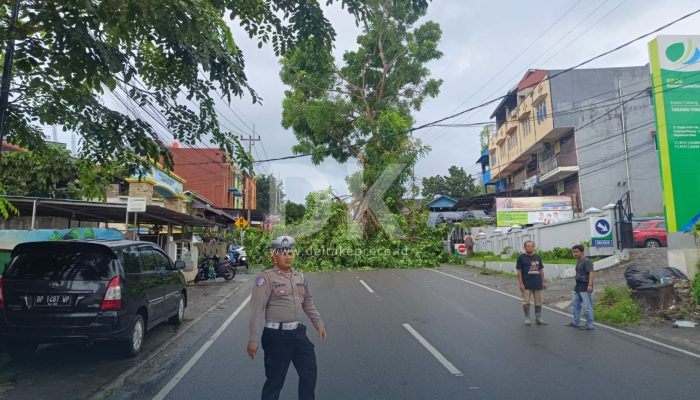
x: 675, y: 76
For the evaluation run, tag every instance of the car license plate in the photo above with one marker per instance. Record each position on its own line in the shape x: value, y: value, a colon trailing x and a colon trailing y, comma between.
x: 53, y: 300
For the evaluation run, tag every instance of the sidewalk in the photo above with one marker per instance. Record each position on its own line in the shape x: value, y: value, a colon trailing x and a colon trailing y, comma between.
x: 559, y: 292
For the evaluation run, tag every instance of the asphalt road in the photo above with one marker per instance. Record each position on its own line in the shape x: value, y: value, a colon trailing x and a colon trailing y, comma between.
x: 371, y: 353
x: 75, y: 371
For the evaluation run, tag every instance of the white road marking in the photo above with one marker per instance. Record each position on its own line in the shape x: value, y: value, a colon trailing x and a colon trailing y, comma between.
x: 445, y: 363
x: 369, y: 289
x: 119, y: 380
x: 188, y: 366
x: 597, y: 324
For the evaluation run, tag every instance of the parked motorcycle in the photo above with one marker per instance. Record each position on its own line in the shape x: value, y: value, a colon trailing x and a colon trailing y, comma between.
x: 211, y: 268
x: 237, y: 255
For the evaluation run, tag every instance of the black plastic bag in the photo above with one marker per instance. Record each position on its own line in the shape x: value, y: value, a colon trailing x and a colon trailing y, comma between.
x: 669, y: 272
x: 638, y: 279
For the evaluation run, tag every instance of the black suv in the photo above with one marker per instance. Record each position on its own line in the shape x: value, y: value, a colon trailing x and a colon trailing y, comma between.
x: 88, y: 290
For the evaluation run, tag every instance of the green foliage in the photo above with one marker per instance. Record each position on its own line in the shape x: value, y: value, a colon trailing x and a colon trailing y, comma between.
x: 616, y: 306
x: 6, y: 208
x: 485, y: 135
x: 269, y: 194
x: 363, y: 108
x: 328, y: 239
x: 456, y: 185
x: 293, y: 212
x: 558, y: 253
x: 53, y: 173
x: 472, y: 223
x: 166, y: 57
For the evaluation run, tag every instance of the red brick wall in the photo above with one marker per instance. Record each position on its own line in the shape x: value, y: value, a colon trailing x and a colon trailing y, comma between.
x: 206, y: 173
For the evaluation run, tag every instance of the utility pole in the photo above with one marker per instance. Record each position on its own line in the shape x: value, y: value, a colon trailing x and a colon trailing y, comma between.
x: 7, y: 73
x: 246, y: 200
x: 624, y: 138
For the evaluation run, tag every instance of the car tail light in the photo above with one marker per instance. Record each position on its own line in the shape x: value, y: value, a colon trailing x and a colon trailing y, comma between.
x: 2, y: 295
x: 113, y: 297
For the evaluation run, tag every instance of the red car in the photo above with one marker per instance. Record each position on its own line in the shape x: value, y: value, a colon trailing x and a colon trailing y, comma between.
x: 650, y: 234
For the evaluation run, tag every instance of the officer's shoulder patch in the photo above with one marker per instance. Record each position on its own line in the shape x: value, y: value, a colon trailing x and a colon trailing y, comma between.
x: 259, y: 281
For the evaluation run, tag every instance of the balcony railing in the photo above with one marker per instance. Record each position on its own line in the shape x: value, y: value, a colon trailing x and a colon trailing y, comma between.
x: 550, y: 162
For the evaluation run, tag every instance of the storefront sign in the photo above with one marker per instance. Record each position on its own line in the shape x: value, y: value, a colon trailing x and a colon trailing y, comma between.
x: 675, y: 72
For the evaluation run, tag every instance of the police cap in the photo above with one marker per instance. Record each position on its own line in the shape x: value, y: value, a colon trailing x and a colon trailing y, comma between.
x: 283, y: 243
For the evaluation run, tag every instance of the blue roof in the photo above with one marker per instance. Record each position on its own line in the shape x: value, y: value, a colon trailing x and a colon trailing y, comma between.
x: 441, y: 202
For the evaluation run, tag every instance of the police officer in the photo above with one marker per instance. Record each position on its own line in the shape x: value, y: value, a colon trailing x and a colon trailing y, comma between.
x: 280, y: 296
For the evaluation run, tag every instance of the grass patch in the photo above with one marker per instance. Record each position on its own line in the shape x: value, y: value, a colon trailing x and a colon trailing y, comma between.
x: 616, y: 306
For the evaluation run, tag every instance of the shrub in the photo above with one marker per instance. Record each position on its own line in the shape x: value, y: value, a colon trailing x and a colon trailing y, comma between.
x: 557, y: 253
x: 696, y: 288
x: 616, y: 306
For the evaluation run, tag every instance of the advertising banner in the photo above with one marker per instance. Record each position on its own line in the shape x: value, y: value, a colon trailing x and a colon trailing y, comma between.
x: 675, y: 73
x: 530, y: 210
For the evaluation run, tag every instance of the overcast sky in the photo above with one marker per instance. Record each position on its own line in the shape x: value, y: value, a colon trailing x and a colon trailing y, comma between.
x: 477, y: 42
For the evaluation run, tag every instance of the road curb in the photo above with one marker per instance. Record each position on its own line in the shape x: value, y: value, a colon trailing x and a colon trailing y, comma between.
x: 108, y: 390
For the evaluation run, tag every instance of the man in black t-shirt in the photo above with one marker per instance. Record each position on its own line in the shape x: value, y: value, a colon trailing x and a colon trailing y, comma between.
x: 583, y: 290
x: 531, y: 278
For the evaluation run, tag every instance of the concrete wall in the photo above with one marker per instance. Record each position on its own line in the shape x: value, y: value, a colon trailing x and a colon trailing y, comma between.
x: 602, y: 174
x: 551, y: 271
x: 546, y: 237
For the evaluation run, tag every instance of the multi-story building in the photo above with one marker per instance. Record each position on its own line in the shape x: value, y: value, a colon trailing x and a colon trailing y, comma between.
x: 207, y: 172
x: 585, y: 133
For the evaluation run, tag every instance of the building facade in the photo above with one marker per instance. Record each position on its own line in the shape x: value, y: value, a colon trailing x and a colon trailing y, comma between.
x: 584, y: 133
x: 208, y: 172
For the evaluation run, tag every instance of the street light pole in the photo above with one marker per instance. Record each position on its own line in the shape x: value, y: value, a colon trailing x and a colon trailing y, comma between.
x: 7, y: 74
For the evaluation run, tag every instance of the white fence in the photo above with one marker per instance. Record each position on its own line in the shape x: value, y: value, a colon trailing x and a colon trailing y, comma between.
x: 547, y: 237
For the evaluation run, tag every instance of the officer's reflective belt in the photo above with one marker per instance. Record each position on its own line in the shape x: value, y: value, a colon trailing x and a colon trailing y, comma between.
x: 285, y: 326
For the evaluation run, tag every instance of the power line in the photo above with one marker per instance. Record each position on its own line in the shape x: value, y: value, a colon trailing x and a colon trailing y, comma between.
x: 517, y: 56
x: 550, y: 77
x: 438, y: 135
x: 584, y: 32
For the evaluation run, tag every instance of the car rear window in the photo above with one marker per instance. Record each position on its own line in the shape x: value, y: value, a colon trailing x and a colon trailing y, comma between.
x: 59, y: 261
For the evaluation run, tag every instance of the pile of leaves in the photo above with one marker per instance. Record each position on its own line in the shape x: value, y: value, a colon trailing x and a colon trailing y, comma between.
x: 329, y: 239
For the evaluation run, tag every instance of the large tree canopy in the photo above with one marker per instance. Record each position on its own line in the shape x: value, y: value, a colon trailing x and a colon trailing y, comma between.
x: 163, y: 59
x: 362, y: 108
x: 55, y: 174
x: 269, y: 194
x: 457, y: 184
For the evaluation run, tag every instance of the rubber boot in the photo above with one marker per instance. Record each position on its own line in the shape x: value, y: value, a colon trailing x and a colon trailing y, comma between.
x: 538, y: 316
x: 526, y: 311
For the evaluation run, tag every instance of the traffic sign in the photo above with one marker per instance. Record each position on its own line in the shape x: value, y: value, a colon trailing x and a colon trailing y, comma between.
x: 241, y: 223
x: 602, y: 227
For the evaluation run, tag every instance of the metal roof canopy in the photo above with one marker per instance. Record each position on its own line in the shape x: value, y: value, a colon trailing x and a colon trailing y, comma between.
x: 101, y: 212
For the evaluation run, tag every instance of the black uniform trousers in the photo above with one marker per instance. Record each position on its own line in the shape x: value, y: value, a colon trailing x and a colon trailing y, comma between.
x: 281, y: 348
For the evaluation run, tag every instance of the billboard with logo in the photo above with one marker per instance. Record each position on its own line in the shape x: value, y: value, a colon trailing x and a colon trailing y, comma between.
x: 530, y: 210
x: 675, y: 73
